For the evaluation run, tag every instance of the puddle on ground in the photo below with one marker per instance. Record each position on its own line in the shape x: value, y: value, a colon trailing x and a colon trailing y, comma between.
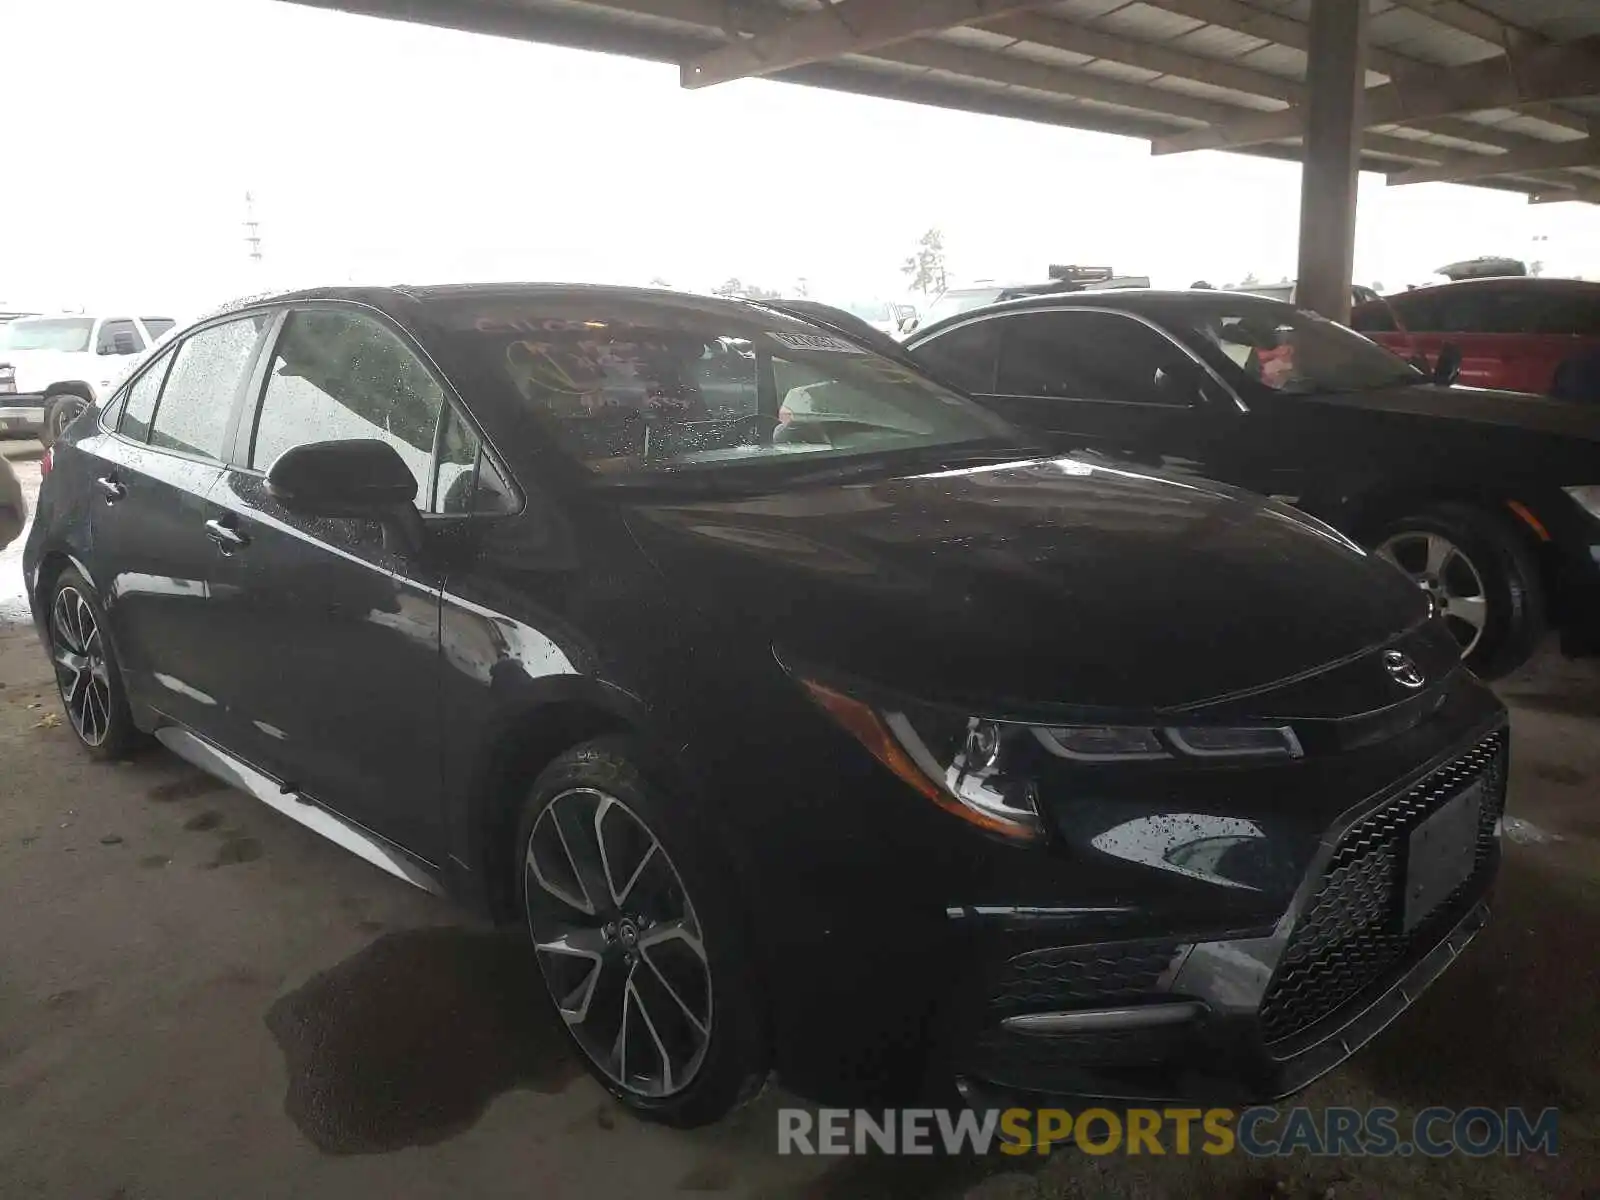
x: 407, y: 1042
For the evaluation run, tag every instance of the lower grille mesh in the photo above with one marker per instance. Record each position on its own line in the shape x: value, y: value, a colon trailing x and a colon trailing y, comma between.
x: 1350, y: 936
x: 1079, y: 976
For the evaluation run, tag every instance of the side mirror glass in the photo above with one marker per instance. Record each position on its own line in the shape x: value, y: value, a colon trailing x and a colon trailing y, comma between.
x: 1447, y: 367
x: 908, y: 325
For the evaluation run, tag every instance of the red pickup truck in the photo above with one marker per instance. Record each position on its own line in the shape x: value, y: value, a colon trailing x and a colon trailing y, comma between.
x: 1514, y: 333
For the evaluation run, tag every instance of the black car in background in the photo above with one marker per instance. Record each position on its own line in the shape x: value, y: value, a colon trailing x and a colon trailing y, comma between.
x: 1489, y: 500
x: 865, y: 743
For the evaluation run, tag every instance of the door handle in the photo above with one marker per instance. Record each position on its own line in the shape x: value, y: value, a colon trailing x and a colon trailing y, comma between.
x: 225, y: 536
x: 110, y: 488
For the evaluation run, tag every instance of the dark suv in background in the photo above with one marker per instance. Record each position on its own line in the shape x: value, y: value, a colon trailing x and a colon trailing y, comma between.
x: 805, y: 715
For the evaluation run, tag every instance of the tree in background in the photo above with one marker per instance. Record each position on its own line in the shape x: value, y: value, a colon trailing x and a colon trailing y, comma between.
x: 802, y: 287
x: 926, y: 266
x: 736, y: 289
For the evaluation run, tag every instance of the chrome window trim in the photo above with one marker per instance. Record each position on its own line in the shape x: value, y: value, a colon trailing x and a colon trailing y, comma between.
x: 1139, y: 318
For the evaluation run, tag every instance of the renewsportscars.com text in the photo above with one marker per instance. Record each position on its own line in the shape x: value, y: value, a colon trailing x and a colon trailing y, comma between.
x: 1259, y: 1132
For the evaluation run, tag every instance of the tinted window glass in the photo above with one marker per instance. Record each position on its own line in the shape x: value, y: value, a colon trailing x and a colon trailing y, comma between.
x: 339, y: 375
x: 964, y: 357
x: 1417, y: 311
x: 1374, y: 317
x: 119, y: 337
x: 1570, y: 313
x: 455, y: 477
x: 1093, y: 356
x: 157, y: 325
x: 205, y: 377
x: 141, y: 402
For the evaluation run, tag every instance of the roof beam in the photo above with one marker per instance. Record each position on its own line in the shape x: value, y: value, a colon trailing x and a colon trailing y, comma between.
x: 1550, y: 72
x: 1286, y: 31
x: 1586, y: 194
x: 841, y: 27
x: 1581, y: 152
x: 1149, y: 56
x: 1464, y: 18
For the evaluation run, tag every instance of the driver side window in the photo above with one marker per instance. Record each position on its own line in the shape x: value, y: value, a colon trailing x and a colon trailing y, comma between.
x: 339, y: 374
x: 1095, y: 356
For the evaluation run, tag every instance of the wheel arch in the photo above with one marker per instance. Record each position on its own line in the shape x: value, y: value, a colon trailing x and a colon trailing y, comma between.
x: 522, y: 741
x: 70, y: 387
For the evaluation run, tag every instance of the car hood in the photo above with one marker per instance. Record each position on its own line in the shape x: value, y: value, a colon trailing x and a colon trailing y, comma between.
x: 1477, y: 407
x: 1053, y: 583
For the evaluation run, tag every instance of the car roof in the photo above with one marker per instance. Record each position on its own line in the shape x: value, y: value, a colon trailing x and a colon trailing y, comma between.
x: 1534, y: 283
x: 1150, y: 302
x: 454, y: 296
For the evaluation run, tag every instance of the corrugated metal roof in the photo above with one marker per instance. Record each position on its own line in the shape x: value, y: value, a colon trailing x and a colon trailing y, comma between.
x: 1138, y: 67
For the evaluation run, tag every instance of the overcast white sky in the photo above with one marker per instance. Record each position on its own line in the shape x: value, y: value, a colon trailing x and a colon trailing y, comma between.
x: 381, y: 152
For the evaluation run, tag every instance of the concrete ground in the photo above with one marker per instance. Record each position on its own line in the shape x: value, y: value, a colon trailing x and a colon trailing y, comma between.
x: 199, y: 998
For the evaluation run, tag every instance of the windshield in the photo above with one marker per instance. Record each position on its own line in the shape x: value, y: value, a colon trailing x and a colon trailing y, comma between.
x: 1293, y: 351
x: 70, y: 334
x: 950, y: 303
x: 679, y: 391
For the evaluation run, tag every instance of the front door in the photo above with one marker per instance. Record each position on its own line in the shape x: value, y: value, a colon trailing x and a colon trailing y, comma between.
x: 341, y: 703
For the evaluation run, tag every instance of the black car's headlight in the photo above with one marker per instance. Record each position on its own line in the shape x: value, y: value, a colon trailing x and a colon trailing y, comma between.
x: 985, y: 771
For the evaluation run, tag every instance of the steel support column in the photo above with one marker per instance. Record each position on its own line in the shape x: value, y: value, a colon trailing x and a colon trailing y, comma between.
x: 1336, y: 82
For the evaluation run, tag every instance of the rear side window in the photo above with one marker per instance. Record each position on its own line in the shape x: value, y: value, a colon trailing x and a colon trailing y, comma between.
x: 141, y: 402
x: 119, y: 337
x: 206, y: 376
x: 964, y: 357
x: 1091, y: 356
x: 1373, y: 317
x: 338, y: 375
x: 156, y: 326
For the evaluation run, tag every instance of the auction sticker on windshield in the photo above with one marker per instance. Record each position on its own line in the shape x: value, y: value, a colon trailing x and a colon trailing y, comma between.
x: 814, y: 341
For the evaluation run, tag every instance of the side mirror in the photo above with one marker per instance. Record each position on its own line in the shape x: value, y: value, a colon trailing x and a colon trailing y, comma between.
x: 357, y: 478
x: 908, y: 325
x: 1447, y: 367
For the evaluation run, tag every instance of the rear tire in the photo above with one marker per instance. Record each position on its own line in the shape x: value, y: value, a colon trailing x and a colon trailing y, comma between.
x: 60, y: 410
x: 1482, y: 572
x: 638, y: 940
x: 87, y: 675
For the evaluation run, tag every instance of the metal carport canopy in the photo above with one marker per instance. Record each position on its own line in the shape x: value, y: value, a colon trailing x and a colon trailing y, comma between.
x: 1497, y: 93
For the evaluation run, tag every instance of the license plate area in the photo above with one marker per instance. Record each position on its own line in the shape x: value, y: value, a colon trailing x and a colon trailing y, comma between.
x: 1441, y: 854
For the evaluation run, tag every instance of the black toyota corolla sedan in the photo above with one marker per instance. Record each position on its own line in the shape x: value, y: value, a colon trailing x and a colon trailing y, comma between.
x: 806, y: 717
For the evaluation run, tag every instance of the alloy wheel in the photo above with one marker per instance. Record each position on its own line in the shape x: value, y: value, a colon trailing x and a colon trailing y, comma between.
x: 618, y: 942
x: 82, y: 672
x: 1444, y: 571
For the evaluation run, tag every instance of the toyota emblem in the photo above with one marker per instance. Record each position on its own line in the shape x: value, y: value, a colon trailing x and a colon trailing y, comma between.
x: 1402, y: 670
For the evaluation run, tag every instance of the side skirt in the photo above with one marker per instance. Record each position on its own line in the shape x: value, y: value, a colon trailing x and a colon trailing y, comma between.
x: 246, y: 778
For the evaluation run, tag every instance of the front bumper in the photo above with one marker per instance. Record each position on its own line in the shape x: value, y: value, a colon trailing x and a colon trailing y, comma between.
x: 21, y: 413
x: 1254, y: 1016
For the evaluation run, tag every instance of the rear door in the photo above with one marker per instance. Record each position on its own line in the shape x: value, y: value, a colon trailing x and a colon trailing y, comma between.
x: 340, y: 701
x: 153, y: 558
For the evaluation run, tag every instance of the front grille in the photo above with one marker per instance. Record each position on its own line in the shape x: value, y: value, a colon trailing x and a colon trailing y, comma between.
x: 1063, y: 977
x: 1350, y: 937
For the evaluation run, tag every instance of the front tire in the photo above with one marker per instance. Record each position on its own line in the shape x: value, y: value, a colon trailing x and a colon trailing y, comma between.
x: 1483, y: 576
x: 87, y: 674
x: 60, y: 410
x: 637, y: 940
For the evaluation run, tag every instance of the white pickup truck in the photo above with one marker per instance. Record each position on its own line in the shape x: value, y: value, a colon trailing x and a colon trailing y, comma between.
x: 52, y: 368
